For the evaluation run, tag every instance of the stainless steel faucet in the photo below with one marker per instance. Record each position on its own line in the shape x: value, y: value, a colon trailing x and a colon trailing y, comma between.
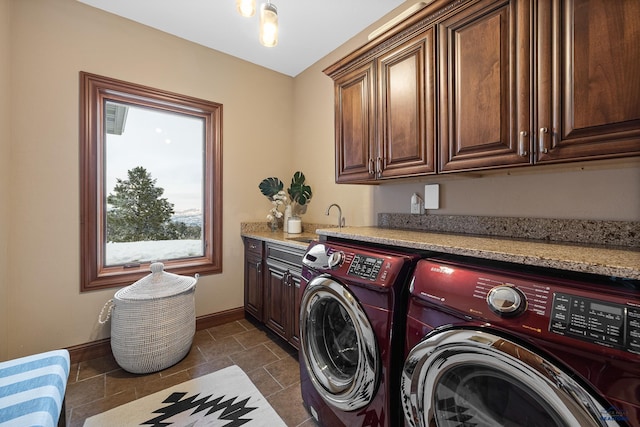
x: 340, y: 219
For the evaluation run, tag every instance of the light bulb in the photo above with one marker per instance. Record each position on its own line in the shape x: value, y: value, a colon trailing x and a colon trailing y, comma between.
x: 268, y: 25
x: 246, y: 8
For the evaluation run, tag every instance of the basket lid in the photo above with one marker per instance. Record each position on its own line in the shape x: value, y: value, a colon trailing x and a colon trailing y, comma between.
x: 158, y: 284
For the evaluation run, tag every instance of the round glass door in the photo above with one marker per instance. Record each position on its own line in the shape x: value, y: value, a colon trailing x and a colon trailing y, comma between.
x: 468, y: 377
x: 338, y: 345
x: 481, y: 396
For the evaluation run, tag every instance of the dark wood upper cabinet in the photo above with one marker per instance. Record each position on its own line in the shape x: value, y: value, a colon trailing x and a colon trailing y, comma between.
x: 355, y: 125
x: 588, y: 79
x: 385, y: 111
x: 481, y: 84
x: 484, y: 97
x: 406, y: 102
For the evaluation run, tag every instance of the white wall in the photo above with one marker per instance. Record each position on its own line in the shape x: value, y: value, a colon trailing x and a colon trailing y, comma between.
x: 314, y: 153
x: 51, y: 41
x: 604, y: 190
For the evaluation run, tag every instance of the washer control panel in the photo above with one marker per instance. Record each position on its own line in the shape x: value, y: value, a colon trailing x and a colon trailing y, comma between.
x: 596, y: 321
x: 358, y: 264
x: 366, y: 267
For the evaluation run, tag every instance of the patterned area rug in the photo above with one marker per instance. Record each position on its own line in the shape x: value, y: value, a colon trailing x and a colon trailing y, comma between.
x: 226, y: 398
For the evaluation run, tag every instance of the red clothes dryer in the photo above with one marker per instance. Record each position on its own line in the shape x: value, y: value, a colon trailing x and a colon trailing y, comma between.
x: 494, y: 345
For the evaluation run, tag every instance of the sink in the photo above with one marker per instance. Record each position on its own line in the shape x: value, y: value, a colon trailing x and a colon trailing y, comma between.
x: 300, y: 239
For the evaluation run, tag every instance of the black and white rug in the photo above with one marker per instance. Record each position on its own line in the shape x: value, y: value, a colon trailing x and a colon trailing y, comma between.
x: 225, y: 398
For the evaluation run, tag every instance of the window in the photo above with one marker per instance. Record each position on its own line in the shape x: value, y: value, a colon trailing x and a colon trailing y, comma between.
x: 150, y: 182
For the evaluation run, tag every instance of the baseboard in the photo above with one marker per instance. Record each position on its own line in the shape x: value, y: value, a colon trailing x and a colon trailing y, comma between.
x: 99, y: 348
x: 91, y: 350
x: 210, y: 320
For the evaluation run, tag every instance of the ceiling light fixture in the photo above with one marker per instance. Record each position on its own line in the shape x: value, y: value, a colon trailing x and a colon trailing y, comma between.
x: 246, y: 8
x: 268, y: 24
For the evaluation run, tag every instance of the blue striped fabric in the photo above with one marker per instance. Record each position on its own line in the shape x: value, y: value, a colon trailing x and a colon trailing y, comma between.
x: 32, y: 389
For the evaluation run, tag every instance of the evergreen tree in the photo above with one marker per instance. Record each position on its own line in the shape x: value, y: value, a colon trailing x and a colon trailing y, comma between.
x: 138, y: 212
x: 184, y: 231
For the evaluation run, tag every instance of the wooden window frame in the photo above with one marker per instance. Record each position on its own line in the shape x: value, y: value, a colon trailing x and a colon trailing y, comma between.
x: 94, y: 91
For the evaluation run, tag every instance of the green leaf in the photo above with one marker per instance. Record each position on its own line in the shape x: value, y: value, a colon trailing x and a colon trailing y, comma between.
x: 298, y: 191
x: 271, y: 186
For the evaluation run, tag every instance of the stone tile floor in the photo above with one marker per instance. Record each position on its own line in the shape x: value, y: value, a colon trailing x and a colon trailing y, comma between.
x: 98, y: 385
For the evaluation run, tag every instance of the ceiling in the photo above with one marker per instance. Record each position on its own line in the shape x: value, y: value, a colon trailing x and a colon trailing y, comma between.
x: 309, y: 30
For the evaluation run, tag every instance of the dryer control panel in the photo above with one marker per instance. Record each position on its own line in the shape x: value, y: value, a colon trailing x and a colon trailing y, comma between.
x: 541, y: 306
x: 596, y: 321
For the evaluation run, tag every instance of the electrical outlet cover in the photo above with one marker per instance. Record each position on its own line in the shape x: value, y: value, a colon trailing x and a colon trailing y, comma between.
x: 432, y: 196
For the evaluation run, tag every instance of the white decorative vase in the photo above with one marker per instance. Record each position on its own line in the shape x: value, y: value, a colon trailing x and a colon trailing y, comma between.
x: 287, y: 215
x: 294, y: 225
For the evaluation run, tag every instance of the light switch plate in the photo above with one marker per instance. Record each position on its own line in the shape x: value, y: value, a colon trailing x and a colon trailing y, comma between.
x: 432, y: 196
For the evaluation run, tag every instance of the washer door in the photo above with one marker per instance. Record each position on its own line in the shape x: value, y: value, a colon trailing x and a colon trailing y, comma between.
x: 338, y: 345
x: 470, y: 377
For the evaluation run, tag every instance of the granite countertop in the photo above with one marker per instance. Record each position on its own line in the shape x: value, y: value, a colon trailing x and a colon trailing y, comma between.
x: 607, y: 261
x: 260, y: 231
x: 301, y: 240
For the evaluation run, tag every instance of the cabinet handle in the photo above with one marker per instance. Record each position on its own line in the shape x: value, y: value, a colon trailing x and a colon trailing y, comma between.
x: 543, y: 140
x: 379, y: 166
x: 253, y: 246
x: 524, y: 143
x: 371, y: 166
x: 259, y: 266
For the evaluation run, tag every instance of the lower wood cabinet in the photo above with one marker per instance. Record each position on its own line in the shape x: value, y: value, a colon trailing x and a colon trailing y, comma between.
x: 282, y: 288
x: 272, y: 286
x: 253, y: 288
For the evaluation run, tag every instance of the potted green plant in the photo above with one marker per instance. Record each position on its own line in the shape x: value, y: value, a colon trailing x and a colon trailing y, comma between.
x: 299, y: 194
x: 272, y: 188
x: 295, y: 199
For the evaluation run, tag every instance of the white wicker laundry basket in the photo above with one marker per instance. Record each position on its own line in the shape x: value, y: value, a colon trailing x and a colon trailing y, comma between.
x: 153, y: 321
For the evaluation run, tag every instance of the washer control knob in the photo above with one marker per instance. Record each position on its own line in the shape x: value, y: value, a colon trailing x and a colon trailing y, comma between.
x: 336, y: 259
x: 506, y: 300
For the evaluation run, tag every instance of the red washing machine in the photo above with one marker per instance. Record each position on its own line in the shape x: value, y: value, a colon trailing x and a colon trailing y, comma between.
x: 352, y: 313
x: 494, y: 345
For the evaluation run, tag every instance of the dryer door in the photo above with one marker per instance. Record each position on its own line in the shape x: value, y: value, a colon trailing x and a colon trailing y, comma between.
x: 460, y: 377
x: 338, y: 345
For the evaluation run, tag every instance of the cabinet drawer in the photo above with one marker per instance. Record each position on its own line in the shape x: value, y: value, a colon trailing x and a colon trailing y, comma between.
x: 254, y: 246
x: 285, y: 254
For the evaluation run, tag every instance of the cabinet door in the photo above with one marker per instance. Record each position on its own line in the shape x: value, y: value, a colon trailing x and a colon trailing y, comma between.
x: 276, y: 301
x: 484, y: 86
x: 253, y: 289
x: 354, y: 125
x: 294, y: 325
x: 406, y: 105
x: 588, y: 94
